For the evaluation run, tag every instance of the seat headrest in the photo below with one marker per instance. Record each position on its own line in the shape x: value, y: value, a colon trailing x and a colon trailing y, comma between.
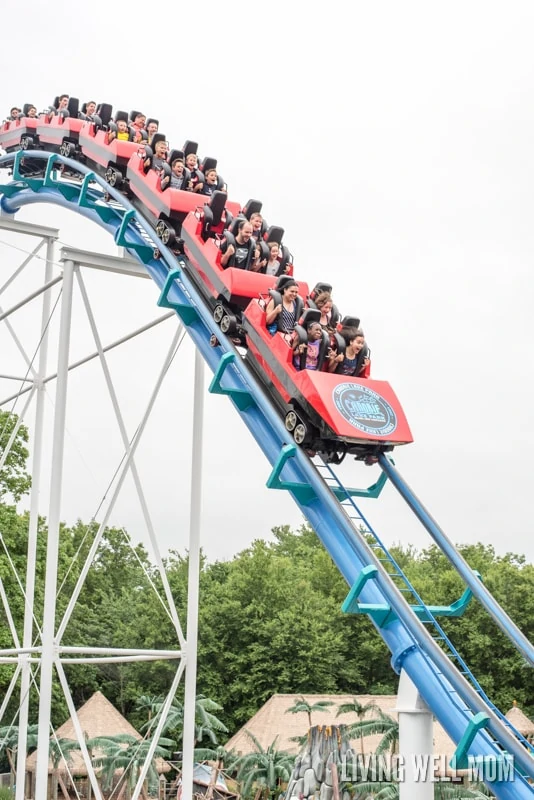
x: 174, y: 154
x: 321, y: 287
x: 208, y: 163
x: 252, y: 207
x: 190, y: 147
x: 350, y: 322
x: 217, y: 204
x: 158, y: 137
x: 310, y: 315
x: 121, y: 116
x: 274, y: 234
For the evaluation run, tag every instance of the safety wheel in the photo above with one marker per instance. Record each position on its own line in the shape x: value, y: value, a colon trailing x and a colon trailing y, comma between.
x: 299, y: 434
x: 291, y: 421
x: 113, y: 176
x: 165, y: 232
x: 66, y: 149
x: 25, y: 143
x: 156, y: 253
x: 218, y: 314
x: 228, y: 324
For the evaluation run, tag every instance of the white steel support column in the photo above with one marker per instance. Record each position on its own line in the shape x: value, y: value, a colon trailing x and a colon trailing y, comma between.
x: 32, y: 531
x: 193, y: 583
x: 49, y: 614
x: 416, y: 741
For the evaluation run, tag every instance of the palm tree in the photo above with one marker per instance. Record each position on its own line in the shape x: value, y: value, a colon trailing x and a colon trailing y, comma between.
x: 266, y: 769
x: 149, y: 703
x: 302, y: 706
x: 361, y: 710
x: 382, y: 724
x: 390, y: 791
x: 206, y: 722
x: 9, y: 740
x: 60, y: 750
x: 127, y: 753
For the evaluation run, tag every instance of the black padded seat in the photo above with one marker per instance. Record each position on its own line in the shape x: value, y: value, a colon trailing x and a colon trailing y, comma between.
x: 190, y: 147
x: 134, y: 114
x: 121, y: 116
x: 104, y: 112
x: 151, y: 119
x: 174, y: 154
x: 74, y: 107
x: 213, y: 213
x: 274, y: 234
x: 252, y: 207
x: 350, y: 322
x: 208, y: 163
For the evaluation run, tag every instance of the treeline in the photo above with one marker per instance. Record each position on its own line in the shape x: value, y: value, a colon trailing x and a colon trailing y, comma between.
x: 270, y: 620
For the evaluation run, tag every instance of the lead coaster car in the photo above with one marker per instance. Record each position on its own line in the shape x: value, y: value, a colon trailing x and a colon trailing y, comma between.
x: 326, y: 413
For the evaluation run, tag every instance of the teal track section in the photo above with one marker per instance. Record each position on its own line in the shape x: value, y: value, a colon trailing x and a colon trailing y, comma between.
x: 376, y: 584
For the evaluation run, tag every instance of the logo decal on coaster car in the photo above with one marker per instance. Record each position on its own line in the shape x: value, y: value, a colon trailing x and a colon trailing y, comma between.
x: 364, y: 409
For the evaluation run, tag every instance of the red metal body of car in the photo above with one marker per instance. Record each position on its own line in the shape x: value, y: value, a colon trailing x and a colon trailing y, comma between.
x: 99, y: 151
x: 338, y: 414
x: 233, y: 287
x: 19, y: 134
x: 59, y: 134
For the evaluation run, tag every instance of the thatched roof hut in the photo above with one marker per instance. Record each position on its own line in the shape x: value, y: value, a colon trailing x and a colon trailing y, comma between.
x: 97, y: 717
x: 272, y: 721
x: 520, y: 721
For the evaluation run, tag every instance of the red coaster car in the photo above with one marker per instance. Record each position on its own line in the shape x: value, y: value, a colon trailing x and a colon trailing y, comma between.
x: 19, y: 134
x: 230, y: 290
x: 325, y: 412
x: 112, y: 157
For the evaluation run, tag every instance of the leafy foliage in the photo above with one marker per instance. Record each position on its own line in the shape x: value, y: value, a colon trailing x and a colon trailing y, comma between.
x: 14, y: 479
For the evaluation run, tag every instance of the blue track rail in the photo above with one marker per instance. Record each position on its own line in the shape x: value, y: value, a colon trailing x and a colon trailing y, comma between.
x: 463, y: 711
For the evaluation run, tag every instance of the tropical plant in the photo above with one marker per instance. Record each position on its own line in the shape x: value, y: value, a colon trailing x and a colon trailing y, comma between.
x: 9, y: 740
x: 206, y: 722
x: 127, y: 753
x: 302, y: 706
x: 263, y: 769
x: 390, y: 791
x: 149, y: 703
x: 382, y: 724
x: 361, y: 710
x: 60, y: 750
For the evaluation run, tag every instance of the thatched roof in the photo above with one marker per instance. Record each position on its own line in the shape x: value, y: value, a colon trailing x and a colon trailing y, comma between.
x: 98, y: 717
x: 272, y: 721
x: 520, y: 721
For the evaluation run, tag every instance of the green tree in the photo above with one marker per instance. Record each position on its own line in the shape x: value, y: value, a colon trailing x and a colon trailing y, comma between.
x: 361, y: 711
x: 264, y: 770
x: 127, y: 753
x: 14, y: 480
x: 382, y: 724
x: 302, y: 706
x: 207, y: 724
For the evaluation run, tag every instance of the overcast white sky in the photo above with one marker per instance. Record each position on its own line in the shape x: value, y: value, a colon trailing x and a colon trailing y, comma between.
x: 393, y: 142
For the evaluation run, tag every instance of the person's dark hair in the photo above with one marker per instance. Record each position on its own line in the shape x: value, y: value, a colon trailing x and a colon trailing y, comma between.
x: 63, y: 96
x: 322, y: 298
x: 350, y: 333
x: 312, y: 324
x: 287, y: 285
x: 243, y: 222
x: 15, y: 108
x: 177, y: 161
